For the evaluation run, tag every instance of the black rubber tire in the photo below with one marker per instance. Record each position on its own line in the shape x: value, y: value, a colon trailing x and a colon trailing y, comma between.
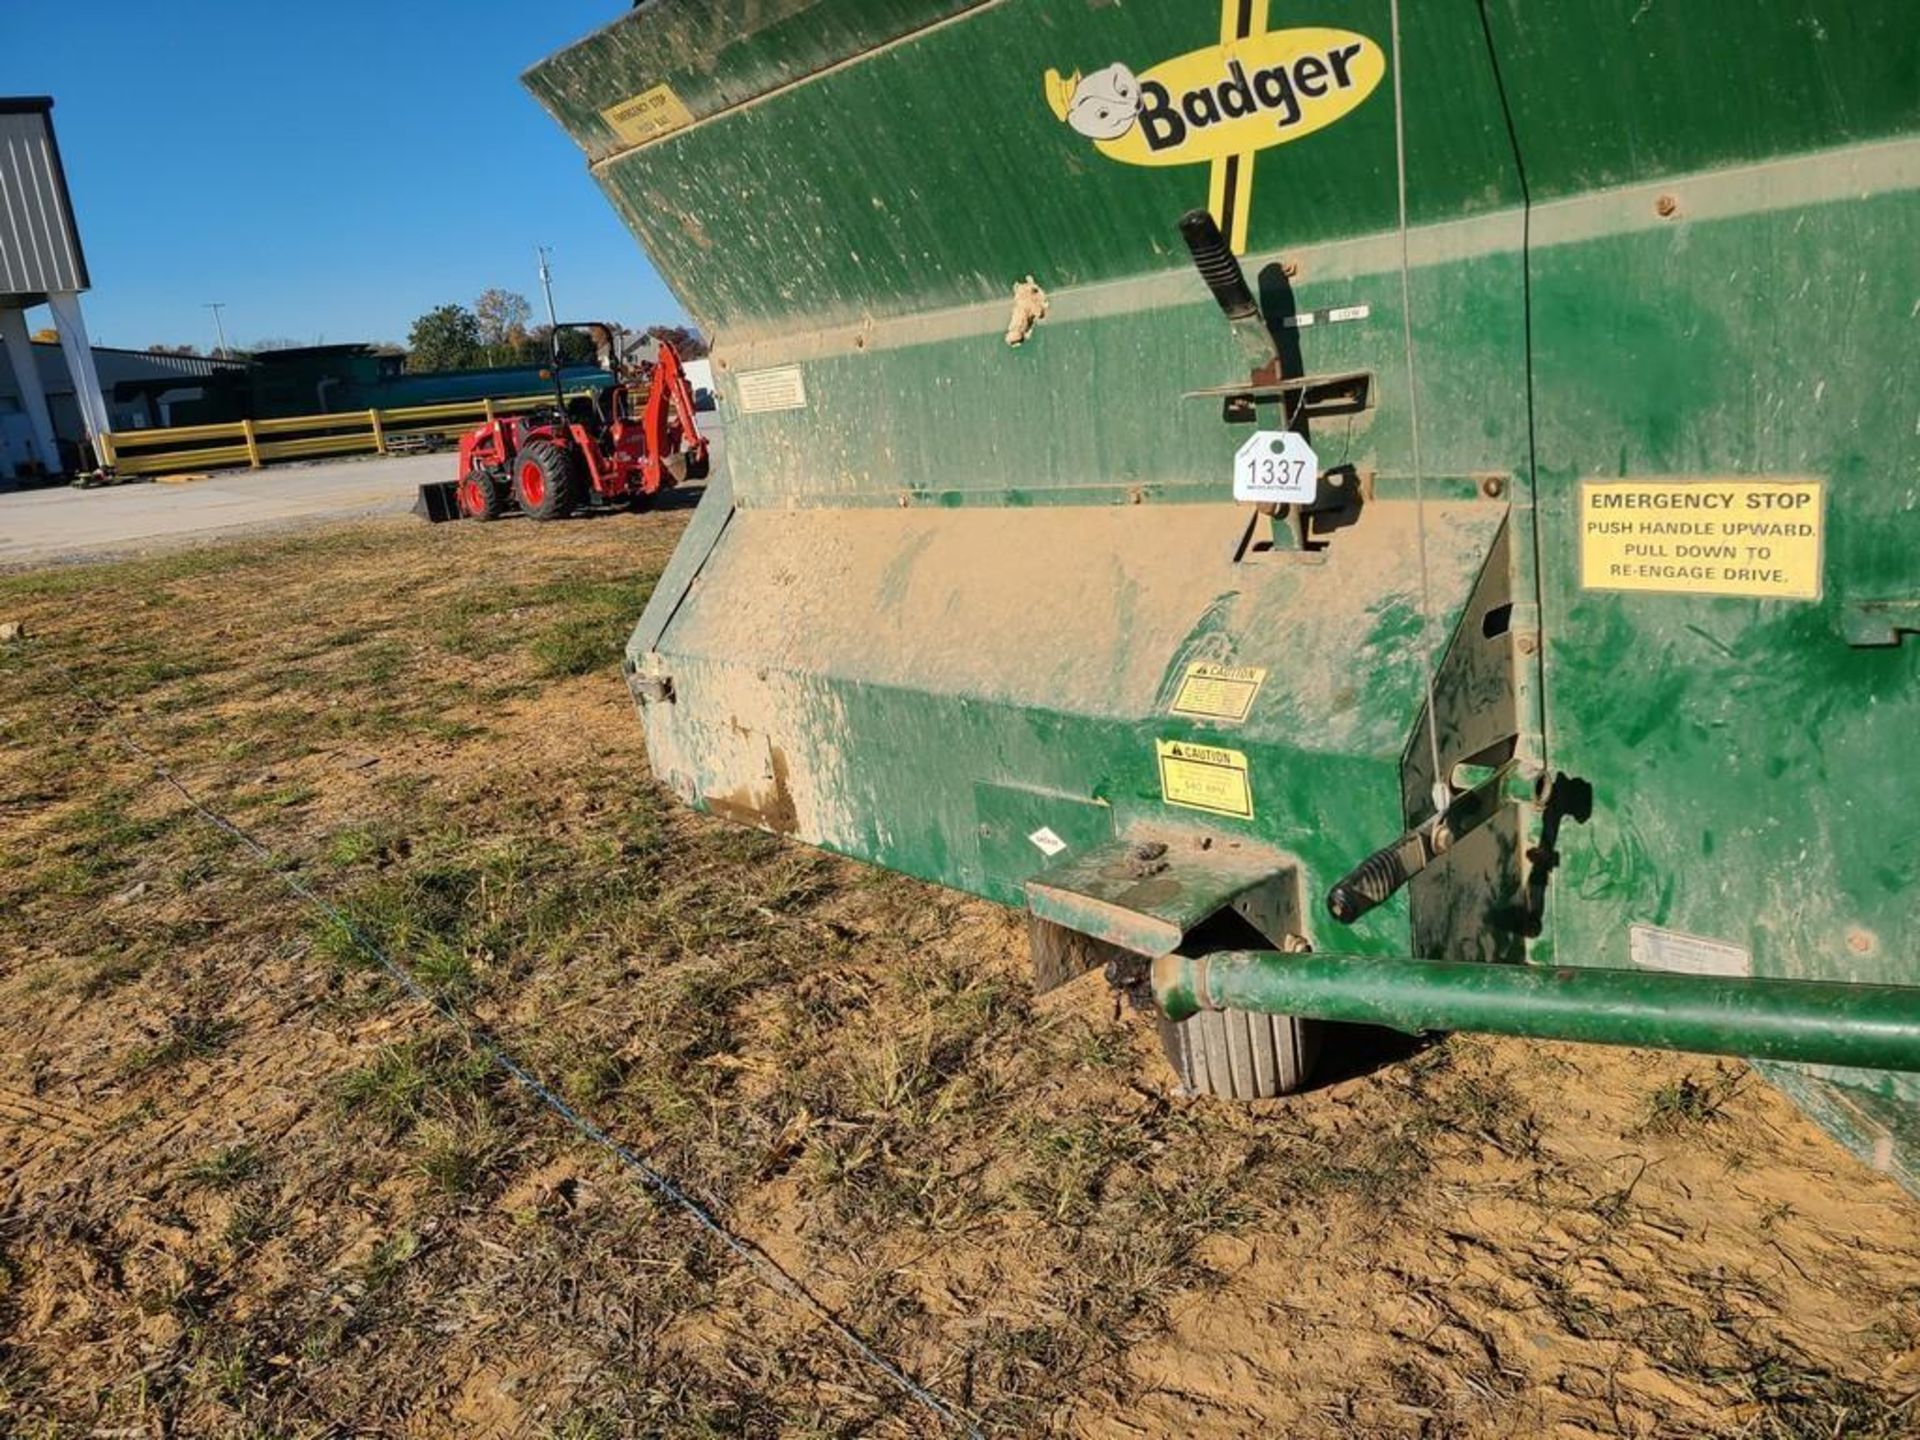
x: 1238, y: 1055
x: 491, y: 488
x: 558, y: 491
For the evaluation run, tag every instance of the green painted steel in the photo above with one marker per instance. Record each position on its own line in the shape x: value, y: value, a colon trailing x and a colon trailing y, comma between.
x: 945, y: 598
x: 1812, y: 1021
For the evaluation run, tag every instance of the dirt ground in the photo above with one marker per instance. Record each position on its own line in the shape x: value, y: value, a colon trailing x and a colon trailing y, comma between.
x: 249, y: 1188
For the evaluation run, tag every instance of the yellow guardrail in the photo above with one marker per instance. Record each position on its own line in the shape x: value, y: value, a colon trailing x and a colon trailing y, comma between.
x: 254, y: 443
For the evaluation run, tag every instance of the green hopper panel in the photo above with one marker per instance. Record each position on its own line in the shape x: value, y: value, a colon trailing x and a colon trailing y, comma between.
x: 1629, y: 465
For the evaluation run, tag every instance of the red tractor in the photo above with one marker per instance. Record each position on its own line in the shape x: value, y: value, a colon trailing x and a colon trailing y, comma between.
x: 619, y: 447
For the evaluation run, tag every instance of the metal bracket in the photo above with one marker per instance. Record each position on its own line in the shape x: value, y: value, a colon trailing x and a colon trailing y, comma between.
x: 650, y: 689
x: 1145, y: 895
x: 1315, y: 397
x: 1866, y: 623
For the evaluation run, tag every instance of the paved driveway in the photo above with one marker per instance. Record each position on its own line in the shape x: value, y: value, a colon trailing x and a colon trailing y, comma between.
x: 40, y: 526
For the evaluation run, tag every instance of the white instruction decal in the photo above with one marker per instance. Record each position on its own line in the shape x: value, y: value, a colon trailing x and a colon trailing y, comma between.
x: 782, y: 388
x: 1656, y: 949
x: 1305, y: 318
x: 1276, y: 467
x: 1046, y: 842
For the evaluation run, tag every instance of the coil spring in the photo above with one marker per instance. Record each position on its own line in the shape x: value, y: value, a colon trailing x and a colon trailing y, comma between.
x: 1371, y: 883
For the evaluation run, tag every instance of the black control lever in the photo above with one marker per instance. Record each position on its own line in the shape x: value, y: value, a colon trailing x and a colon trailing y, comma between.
x: 1220, y: 268
x: 1218, y: 265
x: 1375, y: 879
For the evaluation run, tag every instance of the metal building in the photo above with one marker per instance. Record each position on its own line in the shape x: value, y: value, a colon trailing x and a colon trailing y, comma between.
x: 41, y: 263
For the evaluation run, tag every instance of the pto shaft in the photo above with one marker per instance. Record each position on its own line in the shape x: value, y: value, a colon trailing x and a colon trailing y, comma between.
x: 1818, y: 1022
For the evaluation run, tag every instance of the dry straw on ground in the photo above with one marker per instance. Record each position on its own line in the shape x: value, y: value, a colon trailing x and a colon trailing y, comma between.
x: 250, y: 1190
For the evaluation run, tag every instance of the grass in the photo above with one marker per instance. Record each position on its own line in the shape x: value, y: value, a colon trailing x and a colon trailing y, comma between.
x: 109, y: 971
x: 1690, y: 1104
x: 229, y: 1167
x: 395, y: 1088
x: 389, y: 1260
x: 250, y: 1224
x: 429, y: 727
x: 187, y: 1037
x: 457, y: 1156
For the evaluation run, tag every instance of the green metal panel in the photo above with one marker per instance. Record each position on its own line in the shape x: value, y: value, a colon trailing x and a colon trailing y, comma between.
x: 952, y: 592
x: 716, y: 55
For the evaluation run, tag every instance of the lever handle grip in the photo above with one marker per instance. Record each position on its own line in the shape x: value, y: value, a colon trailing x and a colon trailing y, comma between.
x: 1371, y: 882
x: 1217, y: 265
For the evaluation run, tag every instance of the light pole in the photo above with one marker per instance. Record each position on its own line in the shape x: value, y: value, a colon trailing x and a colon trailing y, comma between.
x: 216, y: 306
x: 553, y: 333
x: 546, y: 286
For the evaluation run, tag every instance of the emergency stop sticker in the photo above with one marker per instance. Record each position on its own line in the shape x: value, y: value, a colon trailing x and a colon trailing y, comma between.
x: 648, y: 115
x: 1218, y: 692
x: 1204, y: 777
x: 1755, y: 538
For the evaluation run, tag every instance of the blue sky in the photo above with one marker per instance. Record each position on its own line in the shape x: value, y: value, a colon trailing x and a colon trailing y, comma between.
x: 328, y: 170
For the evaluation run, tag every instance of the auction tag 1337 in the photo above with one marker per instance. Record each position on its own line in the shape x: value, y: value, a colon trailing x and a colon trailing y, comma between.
x: 1276, y: 467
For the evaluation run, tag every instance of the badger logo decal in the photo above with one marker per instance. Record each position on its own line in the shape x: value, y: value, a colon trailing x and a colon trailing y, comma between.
x: 1222, y: 104
x: 1101, y: 106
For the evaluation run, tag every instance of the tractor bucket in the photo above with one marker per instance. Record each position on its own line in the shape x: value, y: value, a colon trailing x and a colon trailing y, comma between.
x: 1232, y: 481
x: 438, y: 500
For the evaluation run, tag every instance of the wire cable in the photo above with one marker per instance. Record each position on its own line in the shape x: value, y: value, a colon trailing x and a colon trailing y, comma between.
x: 1413, y: 412
x: 662, y: 1185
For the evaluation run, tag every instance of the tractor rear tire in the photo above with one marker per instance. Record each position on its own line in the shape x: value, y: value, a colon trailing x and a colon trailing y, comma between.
x: 545, y: 480
x: 482, y: 495
x: 1240, y: 1055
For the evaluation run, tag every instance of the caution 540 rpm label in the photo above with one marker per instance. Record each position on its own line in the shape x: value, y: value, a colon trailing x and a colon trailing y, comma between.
x: 1204, y: 777
x: 1758, y: 538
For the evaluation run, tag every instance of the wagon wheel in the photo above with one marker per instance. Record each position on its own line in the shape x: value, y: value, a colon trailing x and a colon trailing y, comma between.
x: 1239, y: 1055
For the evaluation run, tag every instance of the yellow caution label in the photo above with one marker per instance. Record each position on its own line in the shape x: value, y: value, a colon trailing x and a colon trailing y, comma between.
x: 1757, y: 538
x: 648, y: 115
x: 1204, y: 777
x: 1218, y: 692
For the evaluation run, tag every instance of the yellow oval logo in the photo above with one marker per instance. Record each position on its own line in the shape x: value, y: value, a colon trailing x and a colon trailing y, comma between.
x: 1223, y: 100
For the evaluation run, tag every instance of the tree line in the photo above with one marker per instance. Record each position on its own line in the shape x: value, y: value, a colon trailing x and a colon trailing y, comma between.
x: 497, y: 329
